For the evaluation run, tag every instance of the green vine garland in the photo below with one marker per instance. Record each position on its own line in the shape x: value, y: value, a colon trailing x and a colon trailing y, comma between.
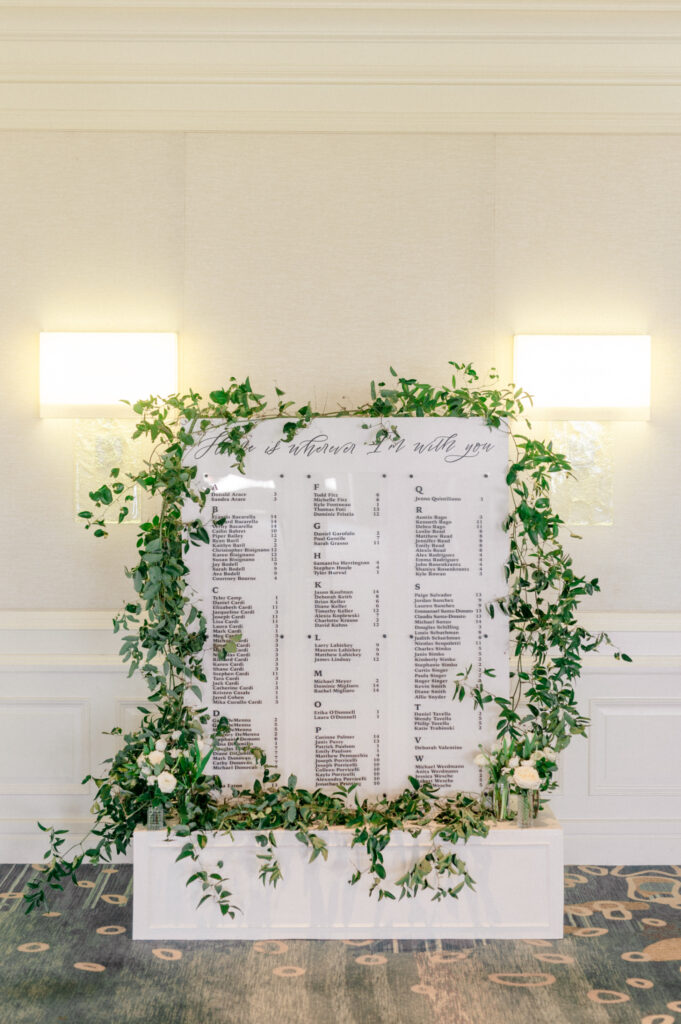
x: 165, y: 633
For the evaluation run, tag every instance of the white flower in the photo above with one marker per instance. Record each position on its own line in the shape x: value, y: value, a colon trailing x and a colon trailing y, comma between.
x: 480, y: 759
x: 166, y: 782
x: 155, y: 757
x: 534, y: 756
x: 505, y: 771
x: 176, y: 734
x: 161, y: 744
x: 151, y: 780
x: 146, y: 770
x: 547, y: 752
x: 514, y: 761
x: 527, y: 777
x: 174, y: 752
x: 204, y: 747
x: 142, y: 759
x: 529, y: 763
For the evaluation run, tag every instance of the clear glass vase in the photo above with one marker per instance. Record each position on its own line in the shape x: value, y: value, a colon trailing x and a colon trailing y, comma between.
x: 155, y: 818
x: 500, y: 800
x: 525, y: 808
x: 535, y: 802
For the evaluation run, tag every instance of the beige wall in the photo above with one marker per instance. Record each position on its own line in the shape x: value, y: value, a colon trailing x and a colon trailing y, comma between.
x: 314, y: 261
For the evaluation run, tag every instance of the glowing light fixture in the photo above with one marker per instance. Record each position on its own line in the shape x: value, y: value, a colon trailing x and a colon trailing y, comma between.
x: 86, y: 374
x: 584, y: 377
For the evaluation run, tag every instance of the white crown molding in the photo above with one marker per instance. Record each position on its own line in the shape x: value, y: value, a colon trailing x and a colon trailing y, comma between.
x: 45, y: 118
x: 212, y: 65
x: 547, y: 6
x: 361, y: 76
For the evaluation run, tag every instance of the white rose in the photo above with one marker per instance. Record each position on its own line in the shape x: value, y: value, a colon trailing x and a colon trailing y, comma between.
x: 528, y: 763
x: 547, y: 752
x: 174, y: 752
x: 527, y: 777
x: 176, y: 735
x: 161, y: 744
x: 151, y: 779
x: 146, y: 770
x: 141, y: 759
x: 155, y: 757
x: 514, y: 761
x: 534, y: 756
x: 166, y: 782
x: 480, y: 759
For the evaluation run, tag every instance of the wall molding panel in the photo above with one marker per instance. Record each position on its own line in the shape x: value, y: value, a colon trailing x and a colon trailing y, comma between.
x: 627, y: 734
x: 619, y: 799
x: 57, y: 734
x: 341, y: 67
x: 62, y: 686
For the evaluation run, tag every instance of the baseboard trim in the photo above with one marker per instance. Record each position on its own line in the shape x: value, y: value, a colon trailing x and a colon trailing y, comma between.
x: 622, y: 842
x: 22, y: 842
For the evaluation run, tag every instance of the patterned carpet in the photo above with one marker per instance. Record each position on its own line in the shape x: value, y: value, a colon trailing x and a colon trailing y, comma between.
x: 619, y: 963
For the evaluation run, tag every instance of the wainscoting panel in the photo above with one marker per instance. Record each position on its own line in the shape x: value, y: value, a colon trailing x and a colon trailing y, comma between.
x: 627, y: 735
x: 62, y: 687
x: 620, y: 795
x: 55, y: 734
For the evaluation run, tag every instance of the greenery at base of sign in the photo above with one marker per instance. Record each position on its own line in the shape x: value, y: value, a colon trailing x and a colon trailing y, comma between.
x: 164, y: 634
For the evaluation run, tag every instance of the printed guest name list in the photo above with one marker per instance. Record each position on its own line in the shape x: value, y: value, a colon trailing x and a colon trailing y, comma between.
x: 356, y: 567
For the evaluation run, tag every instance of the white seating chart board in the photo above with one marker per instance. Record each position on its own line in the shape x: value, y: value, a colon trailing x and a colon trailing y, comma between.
x: 357, y: 573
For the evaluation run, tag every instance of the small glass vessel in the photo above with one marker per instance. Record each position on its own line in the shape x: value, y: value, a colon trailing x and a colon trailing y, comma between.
x: 535, y: 803
x: 155, y: 818
x: 525, y: 808
x: 500, y: 800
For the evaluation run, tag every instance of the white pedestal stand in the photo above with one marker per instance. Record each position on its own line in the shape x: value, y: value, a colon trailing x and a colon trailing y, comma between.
x: 518, y: 875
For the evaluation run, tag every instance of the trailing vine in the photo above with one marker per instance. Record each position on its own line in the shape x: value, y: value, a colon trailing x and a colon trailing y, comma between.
x: 164, y: 635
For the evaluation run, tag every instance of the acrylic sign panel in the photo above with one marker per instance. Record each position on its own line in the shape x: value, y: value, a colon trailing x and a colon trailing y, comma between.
x: 357, y: 574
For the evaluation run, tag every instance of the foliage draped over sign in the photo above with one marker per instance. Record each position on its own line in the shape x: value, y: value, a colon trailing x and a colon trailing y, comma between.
x: 164, y: 636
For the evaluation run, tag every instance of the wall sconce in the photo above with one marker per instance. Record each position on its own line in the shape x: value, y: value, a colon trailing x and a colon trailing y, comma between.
x: 83, y: 377
x: 584, y: 377
x: 577, y: 382
x: 86, y: 374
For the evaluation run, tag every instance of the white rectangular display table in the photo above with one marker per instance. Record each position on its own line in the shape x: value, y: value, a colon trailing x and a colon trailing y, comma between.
x: 518, y: 875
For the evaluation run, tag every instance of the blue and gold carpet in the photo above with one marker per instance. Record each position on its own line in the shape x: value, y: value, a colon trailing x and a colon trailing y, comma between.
x: 619, y: 963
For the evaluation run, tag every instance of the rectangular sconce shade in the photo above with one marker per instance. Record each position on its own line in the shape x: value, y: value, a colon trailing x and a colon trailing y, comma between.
x: 584, y: 377
x: 86, y: 374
